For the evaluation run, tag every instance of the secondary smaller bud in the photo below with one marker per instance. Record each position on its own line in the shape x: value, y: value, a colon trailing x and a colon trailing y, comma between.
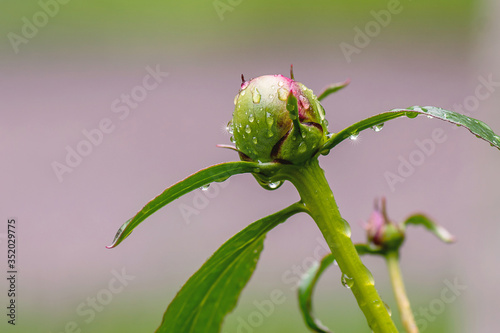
x: 381, y: 231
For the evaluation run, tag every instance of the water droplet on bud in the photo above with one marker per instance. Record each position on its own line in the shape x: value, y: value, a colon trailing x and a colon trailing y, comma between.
x: 232, y: 139
x: 282, y: 94
x: 236, y: 99
x: 248, y: 129
x: 269, y: 119
x: 251, y: 118
x: 302, y: 147
x: 256, y: 96
x: 254, y: 140
x: 229, y: 127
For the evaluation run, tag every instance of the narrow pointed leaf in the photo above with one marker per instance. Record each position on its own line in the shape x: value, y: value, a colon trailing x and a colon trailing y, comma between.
x: 213, y: 291
x: 439, y: 231
x: 308, y: 283
x: 305, y: 291
x: 215, y: 173
x: 334, y: 87
x: 476, y: 127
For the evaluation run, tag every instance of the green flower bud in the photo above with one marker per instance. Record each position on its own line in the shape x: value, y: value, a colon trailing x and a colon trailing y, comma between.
x: 277, y: 119
x: 381, y: 231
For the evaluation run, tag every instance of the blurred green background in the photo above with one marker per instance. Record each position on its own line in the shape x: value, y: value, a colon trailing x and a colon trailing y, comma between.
x: 65, y: 76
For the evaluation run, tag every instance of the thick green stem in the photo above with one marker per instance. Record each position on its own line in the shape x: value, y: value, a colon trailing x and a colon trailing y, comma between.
x: 392, y: 258
x: 310, y: 181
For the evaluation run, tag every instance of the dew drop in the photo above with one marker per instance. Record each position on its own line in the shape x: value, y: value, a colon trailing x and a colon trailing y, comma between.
x: 347, y: 228
x: 269, y: 119
x: 281, y: 83
x: 232, y: 139
x: 254, y: 140
x: 242, y: 93
x: 325, y: 122
x: 251, y: 118
x: 388, y: 309
x: 378, y: 128
x: 303, y: 134
x: 205, y: 187
x: 270, y: 133
x: 347, y: 281
x: 411, y: 115
x: 282, y: 94
x: 236, y: 99
x: 302, y: 147
x: 229, y: 127
x: 256, y: 96
x: 248, y: 129
x: 274, y: 185
x: 325, y: 152
x: 354, y: 136
x: 430, y: 117
x: 271, y: 96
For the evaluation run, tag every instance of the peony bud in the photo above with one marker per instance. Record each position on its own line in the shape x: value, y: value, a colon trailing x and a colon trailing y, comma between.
x: 277, y: 119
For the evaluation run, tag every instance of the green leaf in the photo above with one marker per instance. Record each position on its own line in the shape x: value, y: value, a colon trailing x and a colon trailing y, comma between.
x: 333, y: 88
x: 440, y: 232
x: 476, y: 127
x: 213, y: 291
x: 215, y: 173
x: 308, y: 283
x: 306, y: 287
x: 367, y: 249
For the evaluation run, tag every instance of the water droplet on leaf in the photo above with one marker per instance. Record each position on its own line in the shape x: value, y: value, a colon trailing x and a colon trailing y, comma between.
x: 251, y: 118
x: 205, y: 187
x: 378, y: 128
x: 248, y: 129
x: 354, y: 136
x: 254, y: 140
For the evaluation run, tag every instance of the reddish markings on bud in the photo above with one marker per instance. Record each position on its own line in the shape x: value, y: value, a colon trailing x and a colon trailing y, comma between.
x: 381, y: 231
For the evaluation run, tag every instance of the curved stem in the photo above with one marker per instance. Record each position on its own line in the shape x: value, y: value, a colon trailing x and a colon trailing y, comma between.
x: 316, y: 194
x: 392, y: 258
